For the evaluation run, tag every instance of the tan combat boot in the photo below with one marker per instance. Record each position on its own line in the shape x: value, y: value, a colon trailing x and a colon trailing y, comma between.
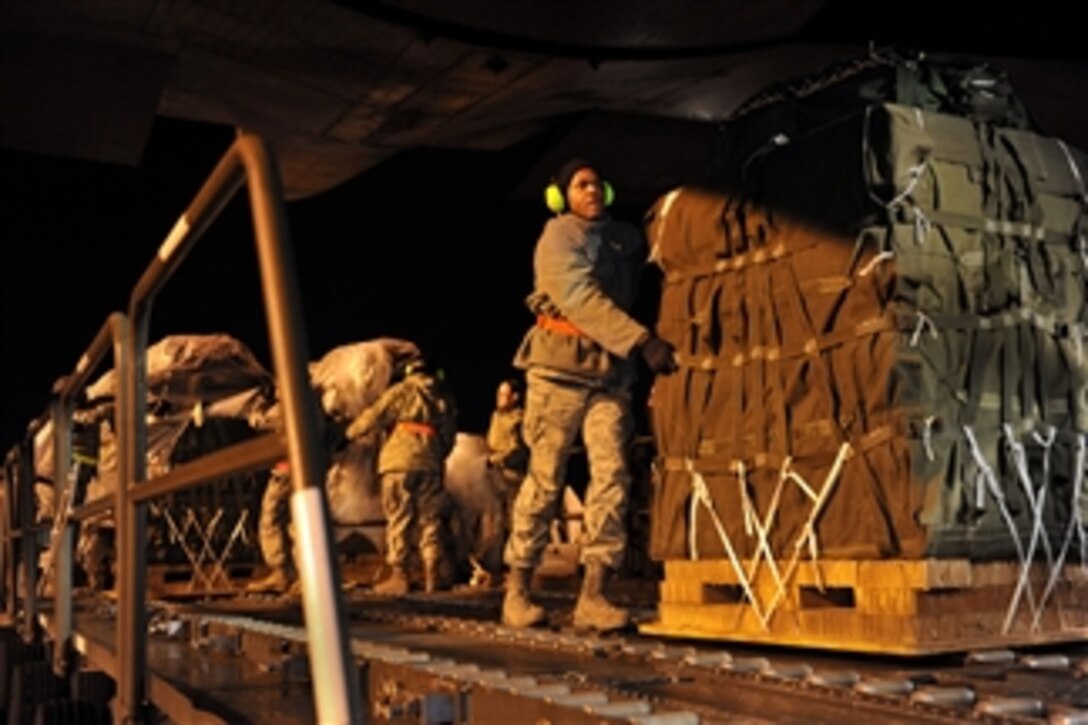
x: 394, y: 585
x: 517, y: 610
x: 593, y: 611
x: 276, y: 582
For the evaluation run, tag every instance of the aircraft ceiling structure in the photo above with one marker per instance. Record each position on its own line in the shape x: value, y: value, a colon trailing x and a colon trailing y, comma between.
x: 337, y: 87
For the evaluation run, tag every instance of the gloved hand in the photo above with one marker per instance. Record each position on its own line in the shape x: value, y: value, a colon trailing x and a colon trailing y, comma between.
x: 354, y: 431
x: 659, y: 355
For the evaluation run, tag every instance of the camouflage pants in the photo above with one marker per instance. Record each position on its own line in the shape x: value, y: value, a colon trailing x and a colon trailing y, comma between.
x: 555, y: 412
x: 273, y: 528
x: 510, y: 484
x: 492, y: 527
x: 412, y: 499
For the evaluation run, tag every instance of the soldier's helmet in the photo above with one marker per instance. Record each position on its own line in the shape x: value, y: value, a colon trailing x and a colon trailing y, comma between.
x: 412, y: 366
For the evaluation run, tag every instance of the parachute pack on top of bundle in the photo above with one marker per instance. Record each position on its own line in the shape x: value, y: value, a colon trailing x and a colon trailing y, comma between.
x: 878, y: 300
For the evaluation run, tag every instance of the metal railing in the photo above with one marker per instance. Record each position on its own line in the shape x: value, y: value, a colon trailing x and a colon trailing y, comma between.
x: 336, y: 695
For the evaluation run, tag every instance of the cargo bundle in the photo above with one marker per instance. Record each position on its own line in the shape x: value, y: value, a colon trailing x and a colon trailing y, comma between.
x: 877, y: 439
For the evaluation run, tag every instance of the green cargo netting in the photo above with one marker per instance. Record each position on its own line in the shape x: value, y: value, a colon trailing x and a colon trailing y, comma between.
x: 882, y: 327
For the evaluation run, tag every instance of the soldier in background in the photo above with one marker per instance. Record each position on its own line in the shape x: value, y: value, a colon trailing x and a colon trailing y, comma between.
x: 507, y: 462
x: 508, y: 454
x: 419, y: 420
x: 344, y: 380
x: 273, y: 533
x: 580, y: 360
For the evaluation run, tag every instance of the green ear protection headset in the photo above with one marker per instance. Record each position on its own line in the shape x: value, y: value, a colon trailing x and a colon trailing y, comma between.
x: 422, y: 366
x: 557, y: 201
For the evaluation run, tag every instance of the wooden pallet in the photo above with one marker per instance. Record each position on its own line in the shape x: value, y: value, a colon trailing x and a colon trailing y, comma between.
x: 883, y: 606
x: 182, y: 580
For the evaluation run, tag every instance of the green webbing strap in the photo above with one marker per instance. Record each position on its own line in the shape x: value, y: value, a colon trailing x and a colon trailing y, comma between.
x: 85, y: 459
x: 822, y: 369
x: 713, y: 462
x: 695, y: 319
x: 737, y: 399
x: 1080, y: 235
x: 993, y: 196
x: 986, y: 345
x: 778, y: 396
x: 1029, y: 373
x: 795, y: 350
x: 735, y: 263
x: 1004, y: 227
x: 1023, y: 316
x: 762, y: 325
x: 715, y: 304
x: 1008, y: 365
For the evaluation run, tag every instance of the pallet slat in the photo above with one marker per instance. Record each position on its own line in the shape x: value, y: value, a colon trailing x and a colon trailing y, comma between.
x: 889, y: 606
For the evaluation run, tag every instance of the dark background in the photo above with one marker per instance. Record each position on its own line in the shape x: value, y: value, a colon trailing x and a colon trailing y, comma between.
x: 428, y: 246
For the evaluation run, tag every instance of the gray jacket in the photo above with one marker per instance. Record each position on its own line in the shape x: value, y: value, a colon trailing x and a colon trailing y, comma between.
x: 586, y: 275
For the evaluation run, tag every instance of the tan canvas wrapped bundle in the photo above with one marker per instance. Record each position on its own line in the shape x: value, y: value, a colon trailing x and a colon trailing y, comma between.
x: 881, y: 327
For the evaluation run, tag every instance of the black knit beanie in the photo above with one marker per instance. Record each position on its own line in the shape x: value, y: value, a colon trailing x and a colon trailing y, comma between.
x: 567, y: 171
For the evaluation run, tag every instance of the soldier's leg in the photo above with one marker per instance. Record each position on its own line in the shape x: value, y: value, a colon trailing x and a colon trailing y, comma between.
x: 607, y: 433
x: 430, y: 499
x: 397, y: 506
x: 608, y: 428
x: 553, y: 416
x: 272, y: 532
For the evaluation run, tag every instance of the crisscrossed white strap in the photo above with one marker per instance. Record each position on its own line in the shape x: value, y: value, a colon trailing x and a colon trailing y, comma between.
x: 700, y: 494
x: 761, y: 528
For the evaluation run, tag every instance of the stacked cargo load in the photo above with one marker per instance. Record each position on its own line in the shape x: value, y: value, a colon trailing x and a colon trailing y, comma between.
x: 877, y: 436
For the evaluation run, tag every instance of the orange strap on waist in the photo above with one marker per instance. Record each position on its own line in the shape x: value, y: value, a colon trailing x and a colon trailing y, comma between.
x: 556, y: 324
x: 411, y: 426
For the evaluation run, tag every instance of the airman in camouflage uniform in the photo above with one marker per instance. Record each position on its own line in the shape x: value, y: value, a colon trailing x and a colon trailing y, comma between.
x: 273, y: 533
x: 420, y: 422
x: 580, y: 363
x: 506, y: 445
x: 507, y: 460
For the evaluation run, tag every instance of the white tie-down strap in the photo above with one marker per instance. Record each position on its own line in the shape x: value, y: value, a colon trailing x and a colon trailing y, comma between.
x: 814, y: 553
x: 655, y: 243
x: 924, y: 323
x: 1036, y: 501
x: 194, y: 538
x: 989, y: 483
x: 927, y: 436
x: 1074, y: 528
x: 914, y: 175
x: 762, y: 529
x: 873, y: 263
x: 700, y: 494
x: 808, y: 531
x: 1080, y: 499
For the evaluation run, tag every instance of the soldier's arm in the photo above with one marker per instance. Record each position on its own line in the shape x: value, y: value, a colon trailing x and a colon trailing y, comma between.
x: 565, y: 272
x: 377, y: 416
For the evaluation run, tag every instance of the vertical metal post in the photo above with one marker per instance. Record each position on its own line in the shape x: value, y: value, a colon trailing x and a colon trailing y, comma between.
x: 65, y: 480
x: 61, y: 413
x: 336, y: 688
x: 7, y: 545
x: 332, y: 667
x: 131, y: 417
x: 28, y: 542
